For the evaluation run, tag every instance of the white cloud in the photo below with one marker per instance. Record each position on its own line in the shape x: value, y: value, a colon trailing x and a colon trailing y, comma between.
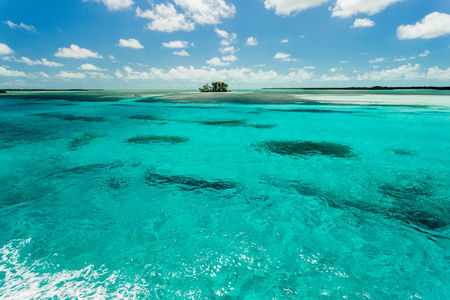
x: 130, y: 43
x: 281, y: 55
x: 363, y: 23
x: 176, y: 44
x: 251, y: 41
x: 227, y: 38
x: 344, y: 61
x: 111, y: 57
x: 377, y: 60
x: 406, y: 72
x: 438, y: 74
x: 42, y: 74
x: 334, y: 70
x: 11, y: 73
x: 181, y: 53
x: 433, y: 25
x: 229, y: 58
x: 114, y: 5
x: 5, y: 50
x: 337, y: 77
x: 284, y: 41
x: 76, y: 52
x: 165, y: 18
x: 285, y: 57
x: 424, y: 54
x: 400, y: 59
x: 228, y: 50
x: 90, y: 67
x: 287, y: 7
x: 309, y: 67
x: 206, y: 11
x: 21, y: 25
x: 99, y: 75
x: 215, y: 61
x: 43, y: 62
x: 348, y: 8
x: 70, y: 75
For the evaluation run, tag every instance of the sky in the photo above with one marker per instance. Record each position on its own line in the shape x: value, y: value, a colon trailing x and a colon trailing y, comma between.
x: 183, y: 44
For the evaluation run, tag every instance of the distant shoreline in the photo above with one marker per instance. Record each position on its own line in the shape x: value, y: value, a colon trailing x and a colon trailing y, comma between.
x: 49, y: 90
x: 374, y: 88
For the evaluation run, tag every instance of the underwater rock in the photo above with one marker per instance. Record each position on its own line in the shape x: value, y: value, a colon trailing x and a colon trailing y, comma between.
x: 68, y: 117
x: 301, y: 148
x: 93, y: 167
x: 231, y: 123
x: 262, y: 126
x: 403, y: 152
x: 83, y: 140
x: 188, y: 182
x: 150, y: 139
x: 145, y: 117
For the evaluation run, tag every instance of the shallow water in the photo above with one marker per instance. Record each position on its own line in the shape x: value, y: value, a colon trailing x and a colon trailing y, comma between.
x: 236, y: 199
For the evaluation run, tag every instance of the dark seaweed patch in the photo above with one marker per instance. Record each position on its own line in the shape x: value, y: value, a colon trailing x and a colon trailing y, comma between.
x: 300, y: 148
x: 187, y: 182
x: 67, y: 117
x: 230, y: 123
x: 262, y: 126
x: 145, y: 117
x: 150, y: 139
x: 409, y: 192
x: 404, y: 152
x: 81, y: 141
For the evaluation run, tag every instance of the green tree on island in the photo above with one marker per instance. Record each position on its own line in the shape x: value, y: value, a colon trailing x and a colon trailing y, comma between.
x: 215, y: 87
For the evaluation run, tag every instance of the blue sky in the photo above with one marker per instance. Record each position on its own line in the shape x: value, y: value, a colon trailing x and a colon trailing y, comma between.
x: 140, y: 44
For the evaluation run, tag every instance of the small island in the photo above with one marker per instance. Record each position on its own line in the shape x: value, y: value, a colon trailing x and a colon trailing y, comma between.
x: 215, y: 87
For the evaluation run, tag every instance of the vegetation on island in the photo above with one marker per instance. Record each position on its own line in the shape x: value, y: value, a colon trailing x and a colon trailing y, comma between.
x: 215, y: 87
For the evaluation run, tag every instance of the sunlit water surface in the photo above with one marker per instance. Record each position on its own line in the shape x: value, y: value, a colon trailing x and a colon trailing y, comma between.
x: 103, y: 196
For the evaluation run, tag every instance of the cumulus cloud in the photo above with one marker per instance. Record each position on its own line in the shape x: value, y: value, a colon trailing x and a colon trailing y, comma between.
x: 71, y: 75
x: 99, y: 75
x: 76, y: 52
x: 229, y: 58
x: 215, y: 61
x: 11, y: 73
x: 43, y: 62
x: 284, y: 57
x: 433, y: 25
x: 165, y: 18
x: 5, y: 50
x: 288, y: 7
x: 114, y: 5
x: 181, y: 53
x: 363, y: 23
x: 238, y: 75
x: 424, y: 54
x: 90, y: 67
x: 406, y: 72
x: 336, y: 77
x: 130, y: 43
x: 227, y: 38
x: 400, y: 59
x: 20, y: 26
x: 206, y: 11
x: 348, y: 8
x: 252, y: 41
x: 228, y: 50
x: 377, y: 60
x: 284, y: 41
x: 176, y: 44
x: 438, y: 74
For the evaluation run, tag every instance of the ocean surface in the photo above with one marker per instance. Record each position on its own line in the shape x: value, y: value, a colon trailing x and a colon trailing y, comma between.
x: 271, y: 194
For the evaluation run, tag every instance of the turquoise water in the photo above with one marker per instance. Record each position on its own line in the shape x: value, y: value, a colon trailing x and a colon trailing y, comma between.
x: 108, y: 196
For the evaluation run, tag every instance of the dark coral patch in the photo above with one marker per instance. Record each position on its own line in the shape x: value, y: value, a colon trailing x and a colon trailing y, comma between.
x: 187, y: 182
x: 155, y: 139
x: 68, y: 117
x: 301, y: 148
